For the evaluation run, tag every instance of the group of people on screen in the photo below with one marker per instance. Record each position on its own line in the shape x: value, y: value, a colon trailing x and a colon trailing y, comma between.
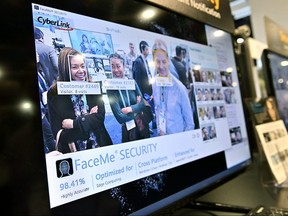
x: 77, y: 122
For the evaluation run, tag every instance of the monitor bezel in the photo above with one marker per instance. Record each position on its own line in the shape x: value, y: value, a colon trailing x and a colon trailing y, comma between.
x: 197, y: 189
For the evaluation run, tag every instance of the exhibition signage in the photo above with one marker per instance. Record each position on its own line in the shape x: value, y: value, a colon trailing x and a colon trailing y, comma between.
x: 277, y: 37
x: 213, y: 12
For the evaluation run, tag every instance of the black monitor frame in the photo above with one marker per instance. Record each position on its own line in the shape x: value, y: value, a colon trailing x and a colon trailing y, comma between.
x: 86, y: 205
x: 271, y: 74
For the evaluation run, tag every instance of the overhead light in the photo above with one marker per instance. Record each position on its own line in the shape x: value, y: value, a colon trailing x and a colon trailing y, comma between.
x: 281, y: 80
x: 240, y: 40
x: 26, y: 106
x: 147, y: 14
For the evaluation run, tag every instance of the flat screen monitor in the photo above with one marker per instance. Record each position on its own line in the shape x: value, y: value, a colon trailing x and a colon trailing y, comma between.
x: 141, y: 111
x: 275, y: 68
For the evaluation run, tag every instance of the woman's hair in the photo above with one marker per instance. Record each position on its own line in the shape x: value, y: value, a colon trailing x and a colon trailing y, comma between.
x: 118, y: 56
x: 64, y: 61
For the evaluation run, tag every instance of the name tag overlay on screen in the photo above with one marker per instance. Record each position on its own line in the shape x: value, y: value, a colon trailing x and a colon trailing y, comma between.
x: 70, y: 88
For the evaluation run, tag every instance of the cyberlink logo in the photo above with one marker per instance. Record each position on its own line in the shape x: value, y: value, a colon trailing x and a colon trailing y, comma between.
x: 56, y: 23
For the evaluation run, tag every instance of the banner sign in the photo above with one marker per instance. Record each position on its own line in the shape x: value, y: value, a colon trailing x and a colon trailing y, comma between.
x: 213, y: 12
x: 277, y: 37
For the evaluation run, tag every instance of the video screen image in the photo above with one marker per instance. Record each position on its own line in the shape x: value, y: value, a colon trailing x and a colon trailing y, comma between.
x: 124, y: 109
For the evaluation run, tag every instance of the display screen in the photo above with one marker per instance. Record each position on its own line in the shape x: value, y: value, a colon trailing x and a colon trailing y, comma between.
x: 275, y: 68
x: 136, y: 112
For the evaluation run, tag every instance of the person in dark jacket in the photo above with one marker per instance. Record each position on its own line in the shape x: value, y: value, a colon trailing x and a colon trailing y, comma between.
x: 47, y: 57
x: 144, y: 78
x: 77, y: 121
x: 126, y: 104
x: 179, y: 65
